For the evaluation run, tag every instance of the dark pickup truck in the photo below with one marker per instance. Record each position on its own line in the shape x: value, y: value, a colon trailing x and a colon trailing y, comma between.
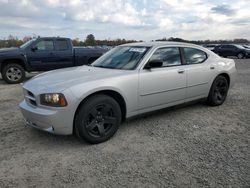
x: 43, y: 54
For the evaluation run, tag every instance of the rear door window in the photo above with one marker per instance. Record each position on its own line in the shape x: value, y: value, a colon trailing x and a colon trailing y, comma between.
x: 61, y: 45
x: 194, y: 56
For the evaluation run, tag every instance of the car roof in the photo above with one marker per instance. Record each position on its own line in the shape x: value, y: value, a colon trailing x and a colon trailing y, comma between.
x: 54, y: 38
x: 236, y: 45
x: 159, y: 43
x: 211, y: 44
x: 229, y: 44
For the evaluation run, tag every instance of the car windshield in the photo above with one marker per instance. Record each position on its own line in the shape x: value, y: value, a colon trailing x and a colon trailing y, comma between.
x: 27, y: 43
x: 122, y: 57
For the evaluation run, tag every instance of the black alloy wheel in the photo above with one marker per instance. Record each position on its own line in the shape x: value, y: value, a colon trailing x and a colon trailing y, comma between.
x: 218, y: 91
x: 98, y: 119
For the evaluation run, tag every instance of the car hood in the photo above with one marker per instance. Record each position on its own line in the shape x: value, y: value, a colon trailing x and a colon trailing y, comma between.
x: 9, y: 50
x: 61, y: 79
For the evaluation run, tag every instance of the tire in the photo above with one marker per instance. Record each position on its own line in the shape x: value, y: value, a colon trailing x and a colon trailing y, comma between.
x: 240, y: 55
x: 98, y: 119
x: 13, y: 73
x: 218, y: 91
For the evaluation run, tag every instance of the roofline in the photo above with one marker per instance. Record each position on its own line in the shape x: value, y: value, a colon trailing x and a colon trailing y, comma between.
x: 160, y: 43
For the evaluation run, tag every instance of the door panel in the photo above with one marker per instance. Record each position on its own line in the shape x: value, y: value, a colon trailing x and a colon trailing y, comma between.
x: 198, y: 72
x: 43, y: 58
x: 64, y: 59
x: 161, y: 86
x: 198, y: 77
x: 63, y: 53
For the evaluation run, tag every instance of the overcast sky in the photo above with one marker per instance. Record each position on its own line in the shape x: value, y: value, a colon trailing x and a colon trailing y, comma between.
x: 130, y: 19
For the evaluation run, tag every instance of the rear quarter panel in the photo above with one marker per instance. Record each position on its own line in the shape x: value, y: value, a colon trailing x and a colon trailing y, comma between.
x: 227, y: 66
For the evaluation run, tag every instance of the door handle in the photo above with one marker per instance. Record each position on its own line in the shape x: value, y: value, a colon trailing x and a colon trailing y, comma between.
x: 212, y: 67
x: 181, y: 71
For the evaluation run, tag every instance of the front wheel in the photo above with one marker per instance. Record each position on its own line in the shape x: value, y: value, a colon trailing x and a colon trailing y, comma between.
x: 13, y: 73
x: 218, y: 91
x: 98, y: 119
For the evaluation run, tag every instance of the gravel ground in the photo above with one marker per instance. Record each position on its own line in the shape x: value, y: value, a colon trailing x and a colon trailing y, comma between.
x: 190, y: 146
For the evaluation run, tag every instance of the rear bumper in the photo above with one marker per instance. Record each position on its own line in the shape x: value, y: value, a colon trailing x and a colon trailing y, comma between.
x: 233, y: 75
x: 50, y: 120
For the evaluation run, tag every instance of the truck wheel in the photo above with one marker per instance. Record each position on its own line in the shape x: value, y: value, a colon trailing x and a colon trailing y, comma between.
x: 13, y: 73
x: 98, y: 119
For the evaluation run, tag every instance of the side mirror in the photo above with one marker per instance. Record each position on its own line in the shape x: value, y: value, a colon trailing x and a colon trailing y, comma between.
x: 154, y: 64
x: 34, y: 48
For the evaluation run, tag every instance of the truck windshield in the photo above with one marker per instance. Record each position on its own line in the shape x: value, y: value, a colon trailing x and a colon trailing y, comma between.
x: 122, y: 57
x: 27, y: 43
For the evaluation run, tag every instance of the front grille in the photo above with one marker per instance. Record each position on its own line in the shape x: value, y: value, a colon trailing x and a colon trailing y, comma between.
x: 30, y: 97
x: 30, y: 94
x: 33, y: 102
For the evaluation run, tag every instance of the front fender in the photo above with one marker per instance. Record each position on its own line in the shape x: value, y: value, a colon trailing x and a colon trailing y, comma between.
x: 14, y: 59
x: 92, y: 91
x: 126, y: 87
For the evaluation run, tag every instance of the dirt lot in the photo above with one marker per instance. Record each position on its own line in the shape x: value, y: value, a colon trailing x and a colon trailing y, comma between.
x: 191, y: 146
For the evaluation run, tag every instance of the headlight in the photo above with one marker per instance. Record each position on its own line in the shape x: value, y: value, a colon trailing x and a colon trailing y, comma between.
x: 53, y: 99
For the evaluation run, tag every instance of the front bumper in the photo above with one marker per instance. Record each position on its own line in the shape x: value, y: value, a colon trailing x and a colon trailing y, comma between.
x: 55, y: 121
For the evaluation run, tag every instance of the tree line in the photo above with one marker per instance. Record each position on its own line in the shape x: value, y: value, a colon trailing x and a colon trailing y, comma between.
x: 90, y: 40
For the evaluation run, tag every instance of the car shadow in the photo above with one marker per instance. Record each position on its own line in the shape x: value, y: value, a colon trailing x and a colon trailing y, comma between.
x: 63, y: 141
x: 55, y: 140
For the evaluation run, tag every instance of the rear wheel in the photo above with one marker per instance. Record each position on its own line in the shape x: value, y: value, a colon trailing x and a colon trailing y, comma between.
x: 98, y: 119
x: 240, y: 55
x: 13, y: 73
x: 218, y: 91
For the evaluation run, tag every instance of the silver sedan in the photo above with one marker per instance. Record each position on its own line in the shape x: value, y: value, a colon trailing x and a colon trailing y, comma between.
x: 91, y: 101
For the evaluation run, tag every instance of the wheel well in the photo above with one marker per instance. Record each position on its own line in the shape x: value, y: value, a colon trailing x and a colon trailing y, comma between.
x: 115, y: 95
x: 226, y: 76
x: 8, y: 61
